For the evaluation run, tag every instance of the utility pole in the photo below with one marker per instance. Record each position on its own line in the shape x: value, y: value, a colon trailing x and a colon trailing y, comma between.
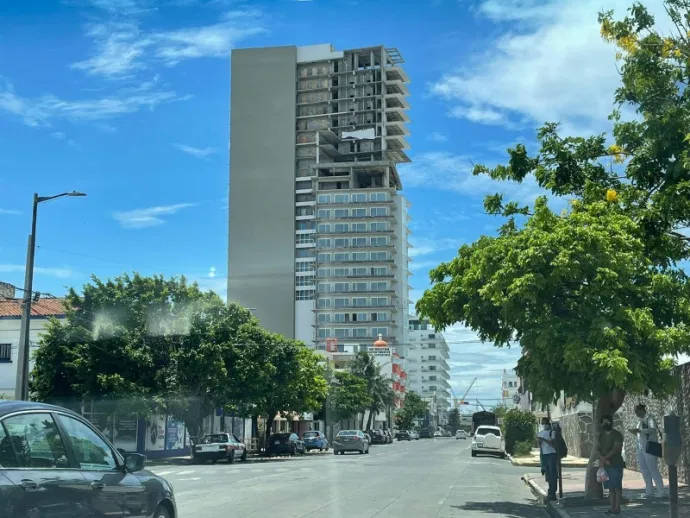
x: 21, y: 390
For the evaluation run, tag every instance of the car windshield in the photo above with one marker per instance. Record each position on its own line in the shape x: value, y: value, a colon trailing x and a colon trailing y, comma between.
x: 213, y: 438
x: 276, y: 256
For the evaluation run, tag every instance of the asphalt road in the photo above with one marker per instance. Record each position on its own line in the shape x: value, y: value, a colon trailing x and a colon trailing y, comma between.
x: 424, y: 478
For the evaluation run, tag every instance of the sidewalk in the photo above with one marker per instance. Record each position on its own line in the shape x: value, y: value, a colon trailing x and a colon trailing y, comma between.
x: 574, y: 505
x: 532, y: 460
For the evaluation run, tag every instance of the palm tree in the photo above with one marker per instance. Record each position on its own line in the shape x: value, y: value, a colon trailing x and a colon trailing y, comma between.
x: 378, y: 386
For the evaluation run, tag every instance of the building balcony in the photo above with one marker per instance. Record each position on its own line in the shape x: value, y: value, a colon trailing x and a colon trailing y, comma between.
x: 355, y: 293
x: 396, y: 73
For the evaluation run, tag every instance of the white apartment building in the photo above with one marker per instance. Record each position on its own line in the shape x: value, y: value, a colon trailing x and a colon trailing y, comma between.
x: 428, y: 372
x: 318, y: 224
x: 10, y: 320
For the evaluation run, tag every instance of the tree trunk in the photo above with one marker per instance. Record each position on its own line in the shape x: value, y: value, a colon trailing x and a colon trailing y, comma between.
x: 607, y: 404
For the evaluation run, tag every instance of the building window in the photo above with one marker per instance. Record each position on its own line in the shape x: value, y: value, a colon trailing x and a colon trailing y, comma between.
x: 324, y: 318
x: 376, y: 331
x: 324, y: 198
x: 360, y: 256
x: 378, y: 196
x: 340, y: 272
x: 341, y: 257
x: 360, y: 332
x: 379, y: 301
x: 323, y: 258
x: 358, y: 212
x: 341, y: 242
x: 304, y: 281
x: 305, y: 295
x: 301, y: 253
x: 5, y: 352
x: 379, y: 286
x: 324, y: 214
x: 323, y: 272
x: 342, y: 333
x: 379, y: 241
x: 324, y: 228
x: 341, y: 198
x: 379, y: 211
x: 379, y: 226
x: 324, y: 303
x: 341, y: 213
x: 379, y: 256
x: 339, y: 317
x: 341, y: 227
x: 359, y: 302
x: 305, y: 225
x: 359, y: 227
x: 359, y: 271
x: 341, y: 303
x: 379, y: 271
x: 432, y: 357
x: 323, y: 243
x: 360, y: 286
x: 341, y: 286
x: 431, y: 346
x: 324, y: 332
x: 359, y: 242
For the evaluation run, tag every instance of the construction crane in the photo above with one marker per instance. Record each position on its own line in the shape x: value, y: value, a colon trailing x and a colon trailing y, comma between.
x: 461, y: 401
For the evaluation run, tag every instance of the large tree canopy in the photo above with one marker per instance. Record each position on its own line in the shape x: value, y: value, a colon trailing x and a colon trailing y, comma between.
x: 147, y: 342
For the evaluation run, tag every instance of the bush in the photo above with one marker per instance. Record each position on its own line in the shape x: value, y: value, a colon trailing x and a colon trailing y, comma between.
x: 522, y: 448
x: 519, y: 426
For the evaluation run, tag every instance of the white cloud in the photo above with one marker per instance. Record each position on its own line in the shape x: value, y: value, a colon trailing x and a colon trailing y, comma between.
x: 550, y: 64
x: 212, y: 272
x: 447, y: 171
x: 148, y: 217
x: 123, y: 48
x: 41, y: 110
x: 61, y: 273
x: 10, y: 212
x: 436, y: 136
x: 425, y: 245
x: 199, y: 152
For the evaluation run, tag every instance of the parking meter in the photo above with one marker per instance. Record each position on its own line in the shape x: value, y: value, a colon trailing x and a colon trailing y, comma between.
x: 671, y: 452
x: 672, y: 443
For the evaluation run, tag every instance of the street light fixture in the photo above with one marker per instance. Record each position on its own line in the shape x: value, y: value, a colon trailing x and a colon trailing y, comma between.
x: 21, y: 390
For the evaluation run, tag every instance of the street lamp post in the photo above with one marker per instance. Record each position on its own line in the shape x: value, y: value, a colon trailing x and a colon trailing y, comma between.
x: 21, y: 390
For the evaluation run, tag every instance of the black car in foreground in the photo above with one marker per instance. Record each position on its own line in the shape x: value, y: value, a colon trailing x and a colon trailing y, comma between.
x: 285, y: 444
x: 54, y: 463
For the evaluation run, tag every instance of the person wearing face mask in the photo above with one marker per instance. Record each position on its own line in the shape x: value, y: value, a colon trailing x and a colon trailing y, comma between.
x: 647, y: 431
x: 549, y: 458
x: 610, y: 458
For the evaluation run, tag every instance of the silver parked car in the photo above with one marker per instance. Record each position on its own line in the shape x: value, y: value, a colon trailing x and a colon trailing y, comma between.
x: 350, y: 440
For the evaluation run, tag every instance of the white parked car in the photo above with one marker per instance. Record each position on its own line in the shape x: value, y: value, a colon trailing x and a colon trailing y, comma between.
x: 438, y: 433
x: 414, y: 435
x: 461, y: 434
x: 488, y: 439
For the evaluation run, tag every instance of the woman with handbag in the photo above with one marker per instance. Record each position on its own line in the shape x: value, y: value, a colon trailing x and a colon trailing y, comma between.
x: 648, y: 452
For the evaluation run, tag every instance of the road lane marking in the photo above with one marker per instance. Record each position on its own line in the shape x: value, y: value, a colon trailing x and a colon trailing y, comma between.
x: 186, y: 472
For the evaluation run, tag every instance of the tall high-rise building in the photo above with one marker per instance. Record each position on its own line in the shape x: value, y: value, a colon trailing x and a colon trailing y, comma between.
x: 318, y: 224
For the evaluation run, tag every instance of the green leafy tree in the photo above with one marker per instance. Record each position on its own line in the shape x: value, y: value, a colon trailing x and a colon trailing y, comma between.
x: 453, y: 420
x: 500, y: 411
x: 518, y: 426
x: 413, y: 408
x: 593, y: 295
x: 273, y: 374
x: 348, y: 395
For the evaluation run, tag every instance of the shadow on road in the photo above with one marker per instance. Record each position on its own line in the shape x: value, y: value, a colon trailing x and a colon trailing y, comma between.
x: 503, y: 509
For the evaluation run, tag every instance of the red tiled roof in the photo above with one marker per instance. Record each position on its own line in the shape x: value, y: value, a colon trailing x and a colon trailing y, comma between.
x: 42, y: 308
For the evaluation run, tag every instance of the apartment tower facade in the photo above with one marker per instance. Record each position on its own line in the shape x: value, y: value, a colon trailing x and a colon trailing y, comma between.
x: 318, y: 225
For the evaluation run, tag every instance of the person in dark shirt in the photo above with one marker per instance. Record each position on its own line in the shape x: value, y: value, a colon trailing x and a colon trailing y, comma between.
x: 610, y: 458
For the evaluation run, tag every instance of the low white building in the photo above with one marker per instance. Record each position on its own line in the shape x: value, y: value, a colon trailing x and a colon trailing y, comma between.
x: 510, y: 384
x: 10, y: 319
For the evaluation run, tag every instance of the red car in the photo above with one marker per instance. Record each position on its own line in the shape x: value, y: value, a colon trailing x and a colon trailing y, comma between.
x: 215, y: 446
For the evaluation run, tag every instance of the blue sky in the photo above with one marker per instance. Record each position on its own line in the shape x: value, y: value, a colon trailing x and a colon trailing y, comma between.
x: 127, y: 100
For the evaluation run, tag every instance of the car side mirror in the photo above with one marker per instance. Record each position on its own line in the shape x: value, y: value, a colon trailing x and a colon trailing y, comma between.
x: 134, y: 462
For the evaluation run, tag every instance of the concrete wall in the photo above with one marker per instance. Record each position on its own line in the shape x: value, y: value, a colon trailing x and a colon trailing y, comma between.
x: 262, y: 185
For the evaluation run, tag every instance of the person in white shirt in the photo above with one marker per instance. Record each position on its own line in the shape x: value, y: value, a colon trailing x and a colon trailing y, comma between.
x: 649, y: 464
x: 547, y: 445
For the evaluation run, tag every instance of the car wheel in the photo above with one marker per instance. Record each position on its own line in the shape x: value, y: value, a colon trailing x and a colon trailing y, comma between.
x: 335, y: 452
x: 503, y: 455
x: 213, y: 461
x: 231, y: 457
x: 474, y: 453
x: 244, y: 454
x: 162, y: 512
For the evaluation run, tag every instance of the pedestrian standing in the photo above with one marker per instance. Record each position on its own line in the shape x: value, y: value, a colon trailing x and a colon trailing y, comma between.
x: 549, y: 457
x: 647, y: 431
x: 610, y: 458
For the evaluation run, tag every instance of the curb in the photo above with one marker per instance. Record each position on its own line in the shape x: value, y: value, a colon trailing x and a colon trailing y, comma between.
x: 535, y: 464
x: 551, y: 508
